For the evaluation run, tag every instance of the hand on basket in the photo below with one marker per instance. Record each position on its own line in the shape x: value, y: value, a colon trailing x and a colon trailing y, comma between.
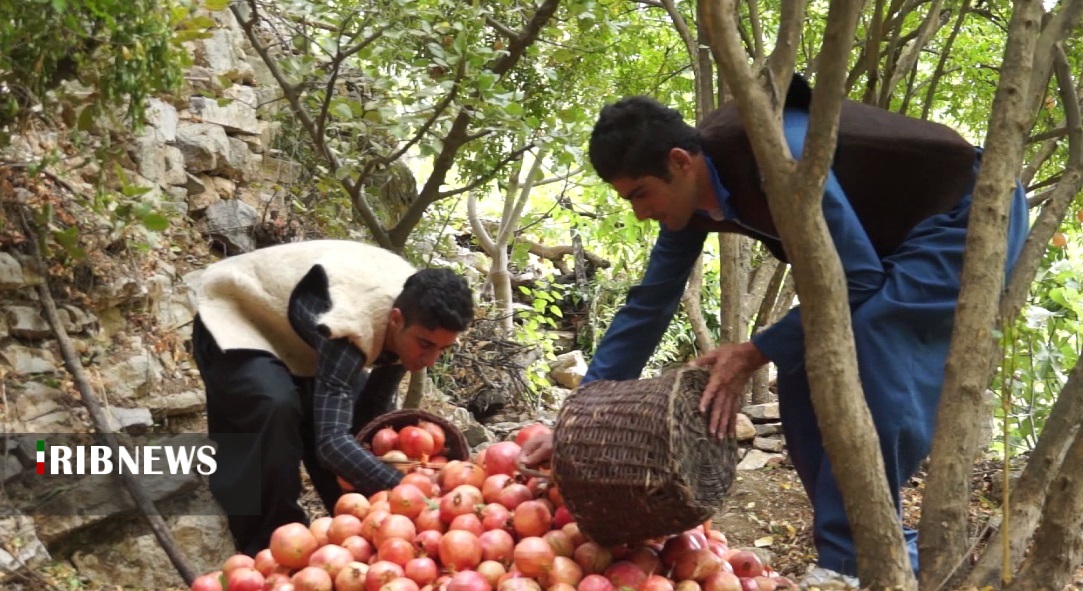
x: 536, y: 451
x: 731, y: 367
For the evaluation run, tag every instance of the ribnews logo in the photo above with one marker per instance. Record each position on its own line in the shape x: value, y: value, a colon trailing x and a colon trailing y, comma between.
x: 145, y: 459
x: 87, y: 474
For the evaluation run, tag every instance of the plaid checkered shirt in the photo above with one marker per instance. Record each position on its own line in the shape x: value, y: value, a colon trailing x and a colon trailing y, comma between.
x: 340, y: 378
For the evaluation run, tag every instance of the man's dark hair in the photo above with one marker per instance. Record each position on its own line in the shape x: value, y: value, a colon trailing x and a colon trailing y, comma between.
x: 633, y: 137
x: 436, y: 298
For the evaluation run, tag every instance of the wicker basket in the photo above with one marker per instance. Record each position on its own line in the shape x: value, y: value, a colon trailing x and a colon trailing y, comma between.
x: 457, y: 447
x: 633, y: 459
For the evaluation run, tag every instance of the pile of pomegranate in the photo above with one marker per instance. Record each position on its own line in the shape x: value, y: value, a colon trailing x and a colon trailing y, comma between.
x: 480, y: 525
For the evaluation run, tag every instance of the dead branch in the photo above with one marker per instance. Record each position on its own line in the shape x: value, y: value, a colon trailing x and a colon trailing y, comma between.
x: 557, y: 253
x: 101, y: 422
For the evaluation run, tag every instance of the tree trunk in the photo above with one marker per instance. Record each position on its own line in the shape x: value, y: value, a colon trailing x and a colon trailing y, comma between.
x: 795, y: 193
x: 761, y: 380
x: 1058, y: 544
x: 1029, y: 495
x: 733, y: 277
x: 416, y: 390
x: 497, y: 248
x: 944, y: 538
x: 693, y: 308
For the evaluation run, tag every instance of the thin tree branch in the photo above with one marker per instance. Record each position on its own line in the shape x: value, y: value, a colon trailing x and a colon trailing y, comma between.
x: 685, y: 34
x: 930, y: 93
x: 457, y: 135
x: 487, y: 176
x: 500, y: 27
x: 101, y: 421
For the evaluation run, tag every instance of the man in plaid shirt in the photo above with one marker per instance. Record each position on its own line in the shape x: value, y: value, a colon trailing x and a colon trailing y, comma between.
x: 267, y: 390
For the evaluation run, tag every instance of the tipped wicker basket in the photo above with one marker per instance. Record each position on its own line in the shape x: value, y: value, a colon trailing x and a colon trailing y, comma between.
x: 457, y: 447
x: 633, y: 459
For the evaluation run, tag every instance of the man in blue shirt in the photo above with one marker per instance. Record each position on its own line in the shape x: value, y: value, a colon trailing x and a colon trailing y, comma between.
x: 896, y: 203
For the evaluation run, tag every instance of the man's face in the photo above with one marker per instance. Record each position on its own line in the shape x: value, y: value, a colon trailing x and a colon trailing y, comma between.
x: 671, y: 202
x: 418, y: 347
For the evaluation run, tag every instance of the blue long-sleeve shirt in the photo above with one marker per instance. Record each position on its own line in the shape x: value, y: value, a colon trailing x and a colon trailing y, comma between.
x: 638, y: 326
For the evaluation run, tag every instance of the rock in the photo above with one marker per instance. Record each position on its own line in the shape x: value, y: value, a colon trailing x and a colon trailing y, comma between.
x: 756, y: 459
x: 131, y: 420
x: 162, y: 117
x: 176, y: 404
x: 117, y: 290
x: 504, y: 430
x: 133, y: 558
x: 473, y: 431
x: 29, y: 360
x: 25, y: 322
x: 236, y: 111
x: 132, y: 378
x: 224, y: 187
x: 35, y: 400
x: 74, y: 319
x: 242, y: 164
x: 563, y: 340
x: 568, y: 369
x: 765, y: 429
x: 223, y: 54
x: 22, y: 548
x: 277, y: 170
x: 60, y: 420
x: 231, y: 222
x: 555, y: 396
x: 762, y: 412
x: 177, y: 308
x: 771, y: 444
x: 196, y: 185
x: 149, y: 156
x: 10, y: 467
x: 745, y: 429
x: 205, y: 146
x: 11, y: 272
x: 94, y: 499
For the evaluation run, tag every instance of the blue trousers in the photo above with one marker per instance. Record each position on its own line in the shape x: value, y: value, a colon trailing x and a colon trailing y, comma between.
x: 902, y: 335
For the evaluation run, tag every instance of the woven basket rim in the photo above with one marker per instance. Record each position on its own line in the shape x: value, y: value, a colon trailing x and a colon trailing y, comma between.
x: 456, y: 443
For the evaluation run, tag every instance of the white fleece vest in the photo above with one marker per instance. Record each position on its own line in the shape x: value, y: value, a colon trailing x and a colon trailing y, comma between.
x: 243, y: 300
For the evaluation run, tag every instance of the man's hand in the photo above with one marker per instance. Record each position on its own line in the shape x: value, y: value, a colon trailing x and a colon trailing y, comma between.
x: 731, y: 367
x: 536, y: 451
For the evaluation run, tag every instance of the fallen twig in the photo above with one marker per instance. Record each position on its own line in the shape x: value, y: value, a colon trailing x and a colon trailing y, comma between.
x: 101, y: 422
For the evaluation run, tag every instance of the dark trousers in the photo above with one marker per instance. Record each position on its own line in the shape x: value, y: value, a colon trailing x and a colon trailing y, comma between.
x: 252, y: 392
x: 902, y: 335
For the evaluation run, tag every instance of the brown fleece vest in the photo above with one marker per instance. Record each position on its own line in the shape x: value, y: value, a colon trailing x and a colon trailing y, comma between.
x: 895, y: 170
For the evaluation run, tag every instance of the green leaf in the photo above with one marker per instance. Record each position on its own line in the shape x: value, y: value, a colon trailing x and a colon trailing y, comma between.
x: 342, y: 110
x: 155, y: 222
x: 556, y: 311
x: 86, y: 118
x: 216, y: 4
x: 134, y: 191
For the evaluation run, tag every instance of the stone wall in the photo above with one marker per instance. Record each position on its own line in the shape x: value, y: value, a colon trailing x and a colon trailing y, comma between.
x: 209, y: 158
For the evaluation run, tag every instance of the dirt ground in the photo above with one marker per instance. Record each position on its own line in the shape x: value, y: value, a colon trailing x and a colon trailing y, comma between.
x: 768, y: 509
